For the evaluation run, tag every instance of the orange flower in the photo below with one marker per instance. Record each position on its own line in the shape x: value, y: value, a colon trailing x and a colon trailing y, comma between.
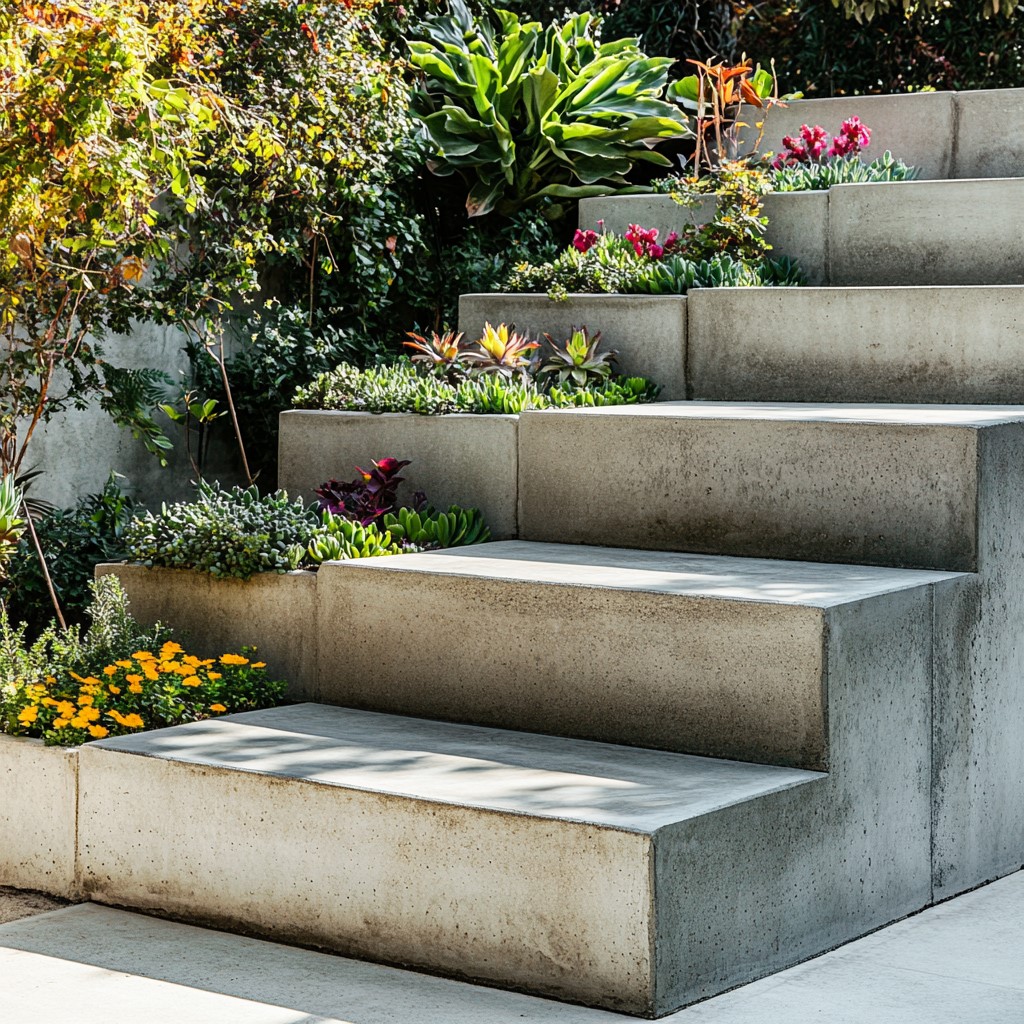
x: 114, y: 689
x: 233, y: 659
x: 214, y: 675
x: 218, y: 708
x: 84, y: 700
x: 192, y: 681
x: 98, y: 731
x: 141, y: 656
x: 259, y: 664
x: 135, y: 687
x: 110, y: 670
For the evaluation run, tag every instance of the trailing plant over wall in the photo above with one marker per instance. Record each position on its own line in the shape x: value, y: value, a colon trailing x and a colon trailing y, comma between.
x: 524, y: 111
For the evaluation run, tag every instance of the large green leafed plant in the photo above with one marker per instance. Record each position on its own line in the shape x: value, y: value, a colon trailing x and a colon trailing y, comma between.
x: 524, y: 111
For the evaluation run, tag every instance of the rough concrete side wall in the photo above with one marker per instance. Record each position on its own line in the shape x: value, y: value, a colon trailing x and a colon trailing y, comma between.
x: 38, y: 816
x: 845, y: 855
x: 979, y: 692
x: 78, y: 450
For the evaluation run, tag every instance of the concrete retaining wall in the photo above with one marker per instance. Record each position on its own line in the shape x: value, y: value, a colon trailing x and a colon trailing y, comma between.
x: 38, y: 816
x: 460, y: 459
x: 648, y: 331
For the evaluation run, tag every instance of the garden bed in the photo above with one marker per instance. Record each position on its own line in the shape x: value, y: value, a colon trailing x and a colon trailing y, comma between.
x: 647, y: 331
x: 460, y: 459
x: 38, y: 815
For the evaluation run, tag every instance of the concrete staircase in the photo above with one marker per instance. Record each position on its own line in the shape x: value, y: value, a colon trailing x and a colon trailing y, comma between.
x: 748, y: 685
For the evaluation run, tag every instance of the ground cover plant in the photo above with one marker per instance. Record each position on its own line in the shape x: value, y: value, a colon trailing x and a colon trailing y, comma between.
x: 239, y: 532
x: 70, y: 686
x: 503, y: 372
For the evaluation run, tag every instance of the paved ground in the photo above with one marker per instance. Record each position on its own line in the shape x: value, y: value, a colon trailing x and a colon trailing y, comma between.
x: 960, y: 963
x: 16, y: 904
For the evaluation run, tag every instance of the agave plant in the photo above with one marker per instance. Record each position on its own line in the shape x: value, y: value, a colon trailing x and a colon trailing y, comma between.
x: 524, y: 111
x: 442, y: 352
x: 500, y: 350
x: 578, y: 360
x: 11, y: 524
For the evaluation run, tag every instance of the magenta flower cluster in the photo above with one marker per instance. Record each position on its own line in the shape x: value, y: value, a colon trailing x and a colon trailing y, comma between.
x: 644, y: 241
x: 814, y: 143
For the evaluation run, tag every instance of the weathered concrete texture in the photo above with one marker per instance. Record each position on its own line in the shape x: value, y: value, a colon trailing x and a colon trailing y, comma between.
x: 648, y: 331
x: 38, y: 816
x: 460, y: 459
x: 929, y: 345
x: 711, y: 655
x: 17, y: 904
x: 927, y: 232
x: 276, y: 613
x: 918, y: 128
x: 990, y: 126
x: 512, y: 858
x: 797, y: 222
x: 870, y: 484
x: 979, y: 694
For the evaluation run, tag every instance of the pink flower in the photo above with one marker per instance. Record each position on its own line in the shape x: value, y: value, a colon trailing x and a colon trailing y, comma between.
x: 583, y: 240
x: 852, y: 138
x: 816, y: 139
x: 645, y: 241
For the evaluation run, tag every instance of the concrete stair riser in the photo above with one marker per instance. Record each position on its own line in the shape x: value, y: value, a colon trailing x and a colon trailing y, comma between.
x: 455, y: 460
x: 903, y: 233
x: 647, y: 331
x: 612, y: 885
x: 927, y: 345
x: 713, y: 656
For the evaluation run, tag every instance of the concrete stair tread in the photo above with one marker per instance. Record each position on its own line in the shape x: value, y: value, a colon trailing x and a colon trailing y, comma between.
x: 723, y: 577
x: 814, y: 412
x: 599, y: 784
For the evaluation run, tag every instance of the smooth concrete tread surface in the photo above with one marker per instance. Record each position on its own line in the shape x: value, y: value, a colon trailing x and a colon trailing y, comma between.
x: 769, y: 580
x: 523, y: 773
x: 813, y: 412
x: 958, y: 963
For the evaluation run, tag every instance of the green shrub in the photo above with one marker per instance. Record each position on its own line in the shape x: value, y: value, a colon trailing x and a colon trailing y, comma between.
x: 394, y: 388
x: 848, y: 170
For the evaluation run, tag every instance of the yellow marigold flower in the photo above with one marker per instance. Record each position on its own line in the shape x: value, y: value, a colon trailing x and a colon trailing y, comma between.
x: 259, y: 664
x: 37, y: 689
x: 28, y: 715
x: 141, y: 656
x: 218, y: 708
x: 214, y: 675
x: 171, y: 647
x: 84, y: 700
x: 192, y: 681
x: 191, y: 659
x: 135, y: 687
x: 124, y: 663
x: 114, y: 689
x: 98, y: 731
x: 132, y: 721
x: 151, y: 673
x: 110, y: 670
x: 78, y: 722
x: 233, y: 659
x: 92, y: 690
x: 51, y: 679
x: 77, y: 678
x: 133, y: 678
x: 89, y: 714
x: 59, y: 723
x: 206, y: 662
x: 91, y: 681
x: 66, y: 709
x: 50, y: 702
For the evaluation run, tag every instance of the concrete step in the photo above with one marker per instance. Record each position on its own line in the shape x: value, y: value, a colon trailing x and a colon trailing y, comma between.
x: 905, y: 233
x: 956, y: 345
x: 872, y: 484
x: 622, y: 878
x: 724, y: 657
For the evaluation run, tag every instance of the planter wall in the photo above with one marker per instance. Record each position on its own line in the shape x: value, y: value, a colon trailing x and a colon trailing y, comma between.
x: 797, y: 222
x: 648, y: 331
x: 460, y: 459
x: 38, y: 816
x: 907, y: 233
x: 275, y: 612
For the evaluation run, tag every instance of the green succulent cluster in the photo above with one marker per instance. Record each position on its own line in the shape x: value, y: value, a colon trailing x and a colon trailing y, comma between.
x: 841, y: 170
x: 398, y: 387
x: 338, y: 539
x: 483, y: 395
x: 611, y: 265
x: 429, y: 529
x: 235, y: 532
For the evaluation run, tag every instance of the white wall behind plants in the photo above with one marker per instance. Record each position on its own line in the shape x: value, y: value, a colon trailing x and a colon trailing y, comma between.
x: 78, y: 450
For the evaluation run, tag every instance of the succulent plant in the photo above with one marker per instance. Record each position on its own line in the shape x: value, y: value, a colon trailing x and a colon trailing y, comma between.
x: 338, y: 539
x: 11, y: 524
x: 394, y: 388
x: 442, y: 352
x: 431, y: 529
x: 500, y: 350
x: 578, y: 359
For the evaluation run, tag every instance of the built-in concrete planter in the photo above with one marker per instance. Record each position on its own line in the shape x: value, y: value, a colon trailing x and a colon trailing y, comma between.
x: 905, y: 233
x: 274, y: 612
x: 648, y: 331
x: 460, y: 459
x: 958, y: 345
x: 38, y: 815
x: 797, y: 222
